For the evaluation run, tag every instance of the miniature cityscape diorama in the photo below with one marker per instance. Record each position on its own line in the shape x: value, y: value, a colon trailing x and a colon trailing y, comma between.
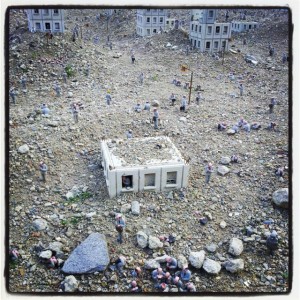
x: 148, y: 150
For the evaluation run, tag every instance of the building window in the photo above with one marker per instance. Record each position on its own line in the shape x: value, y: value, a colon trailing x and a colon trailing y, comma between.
x: 199, y: 29
x: 57, y: 26
x: 209, y: 29
x: 161, y: 20
x: 47, y: 26
x: 36, y: 11
x: 150, y: 180
x: 192, y: 27
x: 154, y: 31
x: 161, y: 10
x: 172, y: 23
x: 207, y: 45
x: 167, y: 22
x: 249, y: 26
x: 148, y: 9
x: 196, y: 28
x: 225, y: 30
x: 217, y: 29
x: 223, y: 45
x: 148, y: 31
x: 127, y: 182
x: 210, y: 13
x: 199, y: 44
x: 171, y: 177
x: 148, y: 20
x: 55, y: 11
x: 46, y: 12
x: 38, y: 26
x: 216, y: 44
x: 154, y: 20
x: 245, y: 27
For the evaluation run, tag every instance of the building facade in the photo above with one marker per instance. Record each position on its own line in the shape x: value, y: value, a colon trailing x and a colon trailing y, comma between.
x: 46, y: 20
x: 143, y: 164
x: 150, y: 21
x: 240, y: 26
x: 206, y: 34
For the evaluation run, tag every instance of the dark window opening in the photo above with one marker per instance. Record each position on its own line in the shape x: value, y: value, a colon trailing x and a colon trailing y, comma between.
x: 47, y: 26
x: 150, y: 180
x: 218, y: 29
x: 171, y: 177
x: 127, y: 182
x: 207, y: 45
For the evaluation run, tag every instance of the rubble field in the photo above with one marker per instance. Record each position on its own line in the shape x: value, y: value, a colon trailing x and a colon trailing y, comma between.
x: 74, y: 201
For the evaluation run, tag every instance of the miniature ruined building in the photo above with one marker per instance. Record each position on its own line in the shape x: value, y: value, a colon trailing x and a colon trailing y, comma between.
x: 143, y: 164
x: 150, y: 21
x: 240, y: 26
x: 46, y: 20
x: 206, y: 34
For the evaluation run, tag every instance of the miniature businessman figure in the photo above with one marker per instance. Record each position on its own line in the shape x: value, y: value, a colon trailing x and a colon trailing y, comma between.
x: 12, y: 94
x: 178, y: 283
x: 234, y: 158
x: 65, y: 75
x: 157, y: 275
x: 255, y: 126
x: 162, y: 287
x: 134, y: 287
x: 53, y: 262
x: 155, y: 118
x: 185, y: 274
x: 138, y: 108
x: 198, y: 98
x: 147, y: 106
x: 23, y: 82
x: 120, y: 225
x: 136, y: 273
x: 271, y: 105
x: 132, y: 58
x: 120, y: 263
x: 241, y: 88
x: 141, y: 78
x: 14, y: 254
x: 43, y: 170
x: 129, y: 134
x: 183, y: 104
x: 173, y: 99
x: 222, y: 126
x: 208, y: 171
x: 45, y: 110
x: 190, y: 287
x: 171, y: 263
x: 108, y: 98
x: 284, y: 58
x: 279, y: 172
x: 235, y: 128
x: 247, y: 127
x: 272, y: 242
x: 57, y: 90
x: 272, y: 126
x: 75, y: 110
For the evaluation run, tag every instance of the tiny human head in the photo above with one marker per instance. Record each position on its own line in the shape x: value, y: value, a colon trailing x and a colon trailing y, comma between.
x: 138, y: 270
x: 118, y: 216
x: 176, y: 279
x: 133, y: 283
x: 159, y: 270
x: 168, y: 259
x: 41, y: 163
x: 273, y: 233
x: 210, y: 164
x: 168, y: 275
x: 155, y: 109
x: 163, y: 285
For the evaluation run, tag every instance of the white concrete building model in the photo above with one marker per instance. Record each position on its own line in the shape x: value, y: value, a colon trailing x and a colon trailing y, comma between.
x: 143, y: 164
x: 46, y: 20
x: 206, y: 34
x: 239, y: 26
x: 150, y: 21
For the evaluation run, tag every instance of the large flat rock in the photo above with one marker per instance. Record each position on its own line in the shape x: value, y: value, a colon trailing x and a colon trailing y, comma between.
x: 90, y: 256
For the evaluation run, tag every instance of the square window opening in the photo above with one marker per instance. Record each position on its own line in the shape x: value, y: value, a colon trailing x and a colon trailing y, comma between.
x: 217, y: 29
x: 36, y: 11
x: 171, y: 177
x: 150, y: 180
x: 47, y: 26
x: 38, y: 26
x: 55, y: 11
x: 127, y: 182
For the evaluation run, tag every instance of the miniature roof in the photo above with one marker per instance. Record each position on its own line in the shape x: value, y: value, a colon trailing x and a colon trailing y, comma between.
x: 141, y: 152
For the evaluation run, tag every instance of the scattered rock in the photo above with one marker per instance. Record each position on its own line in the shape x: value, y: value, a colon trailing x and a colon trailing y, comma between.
x: 135, y: 208
x: 142, y: 239
x: 211, y: 248
x: 181, y: 261
x: 211, y: 266
x: 46, y: 254
x: 90, y: 256
x: 155, y: 243
x: 151, y: 264
x: 223, y: 224
x: 23, y: 149
x: 196, y: 259
x: 225, y: 160
x: 222, y: 170
x: 40, y: 224
x: 281, y: 197
x: 236, y: 247
x: 70, y: 284
x: 234, y: 265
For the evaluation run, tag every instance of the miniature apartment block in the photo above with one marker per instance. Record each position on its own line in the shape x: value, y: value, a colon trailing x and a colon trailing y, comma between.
x: 207, y: 35
x: 239, y: 26
x: 143, y: 164
x: 46, y: 20
x: 150, y: 21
